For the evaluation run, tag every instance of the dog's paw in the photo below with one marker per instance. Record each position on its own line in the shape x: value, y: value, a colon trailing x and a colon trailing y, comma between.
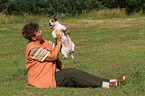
x: 64, y: 57
x: 73, y: 51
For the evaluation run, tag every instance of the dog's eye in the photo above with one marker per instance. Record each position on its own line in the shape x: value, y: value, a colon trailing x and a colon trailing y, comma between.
x: 52, y: 20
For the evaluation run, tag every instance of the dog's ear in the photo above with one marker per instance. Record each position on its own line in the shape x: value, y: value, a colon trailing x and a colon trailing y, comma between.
x: 55, y: 18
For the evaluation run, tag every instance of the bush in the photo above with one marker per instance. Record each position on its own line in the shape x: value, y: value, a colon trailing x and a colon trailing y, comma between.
x: 63, y: 7
x: 47, y: 7
x: 131, y: 6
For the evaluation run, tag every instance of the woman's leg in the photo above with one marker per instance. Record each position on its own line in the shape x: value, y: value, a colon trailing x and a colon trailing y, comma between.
x: 71, y: 77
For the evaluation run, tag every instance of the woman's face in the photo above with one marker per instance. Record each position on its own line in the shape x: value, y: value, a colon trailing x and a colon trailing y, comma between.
x: 39, y: 36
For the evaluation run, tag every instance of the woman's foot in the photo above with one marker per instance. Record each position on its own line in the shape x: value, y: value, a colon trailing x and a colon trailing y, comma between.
x: 121, y: 80
x: 109, y: 84
x: 112, y: 84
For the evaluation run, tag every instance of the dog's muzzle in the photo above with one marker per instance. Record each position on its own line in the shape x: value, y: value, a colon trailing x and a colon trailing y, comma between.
x: 50, y: 26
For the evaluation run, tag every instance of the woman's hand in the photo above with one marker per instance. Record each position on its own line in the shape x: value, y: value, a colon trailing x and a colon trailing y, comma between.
x: 58, y: 35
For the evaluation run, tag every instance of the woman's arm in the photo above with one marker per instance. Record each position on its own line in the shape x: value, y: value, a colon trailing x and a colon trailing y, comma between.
x: 54, y: 54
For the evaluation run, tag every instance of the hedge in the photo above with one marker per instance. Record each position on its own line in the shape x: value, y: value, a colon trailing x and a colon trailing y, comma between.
x: 63, y: 7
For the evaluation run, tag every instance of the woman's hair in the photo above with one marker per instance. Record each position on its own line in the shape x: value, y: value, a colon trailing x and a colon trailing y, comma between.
x: 30, y: 30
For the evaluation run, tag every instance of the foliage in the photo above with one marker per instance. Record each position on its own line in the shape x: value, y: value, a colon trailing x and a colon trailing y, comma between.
x: 65, y: 7
x: 47, y: 7
x: 131, y: 6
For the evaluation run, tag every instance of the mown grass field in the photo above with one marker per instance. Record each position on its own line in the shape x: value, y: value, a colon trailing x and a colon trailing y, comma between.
x: 108, y: 48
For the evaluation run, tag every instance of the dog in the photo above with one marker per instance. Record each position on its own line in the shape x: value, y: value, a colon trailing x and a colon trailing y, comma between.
x: 67, y: 45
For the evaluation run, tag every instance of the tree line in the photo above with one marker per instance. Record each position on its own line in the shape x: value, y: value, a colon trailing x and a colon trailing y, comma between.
x: 64, y: 7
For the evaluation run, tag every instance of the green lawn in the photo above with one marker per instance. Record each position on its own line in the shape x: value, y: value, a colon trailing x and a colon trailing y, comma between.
x: 109, y: 48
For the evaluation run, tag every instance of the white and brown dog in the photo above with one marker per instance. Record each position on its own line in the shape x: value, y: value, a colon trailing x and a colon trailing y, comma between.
x: 67, y: 45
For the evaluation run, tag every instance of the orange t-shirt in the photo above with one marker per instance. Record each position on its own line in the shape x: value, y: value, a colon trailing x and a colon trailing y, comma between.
x: 40, y: 74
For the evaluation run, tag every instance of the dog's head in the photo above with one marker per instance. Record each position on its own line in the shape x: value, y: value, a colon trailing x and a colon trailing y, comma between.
x: 52, y: 23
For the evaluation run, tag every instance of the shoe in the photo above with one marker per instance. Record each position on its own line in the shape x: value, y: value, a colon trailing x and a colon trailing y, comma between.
x: 112, y: 84
x: 121, y: 80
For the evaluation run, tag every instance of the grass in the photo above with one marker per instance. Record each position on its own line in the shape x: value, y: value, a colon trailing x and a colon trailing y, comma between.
x: 108, y: 48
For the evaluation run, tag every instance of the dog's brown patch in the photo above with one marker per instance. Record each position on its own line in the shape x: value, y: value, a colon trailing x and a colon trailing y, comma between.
x: 52, y: 20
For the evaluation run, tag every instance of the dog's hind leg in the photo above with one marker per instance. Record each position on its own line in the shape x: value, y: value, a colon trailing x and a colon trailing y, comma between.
x: 72, y: 46
x: 65, y: 56
x: 73, y: 57
x: 64, y: 53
